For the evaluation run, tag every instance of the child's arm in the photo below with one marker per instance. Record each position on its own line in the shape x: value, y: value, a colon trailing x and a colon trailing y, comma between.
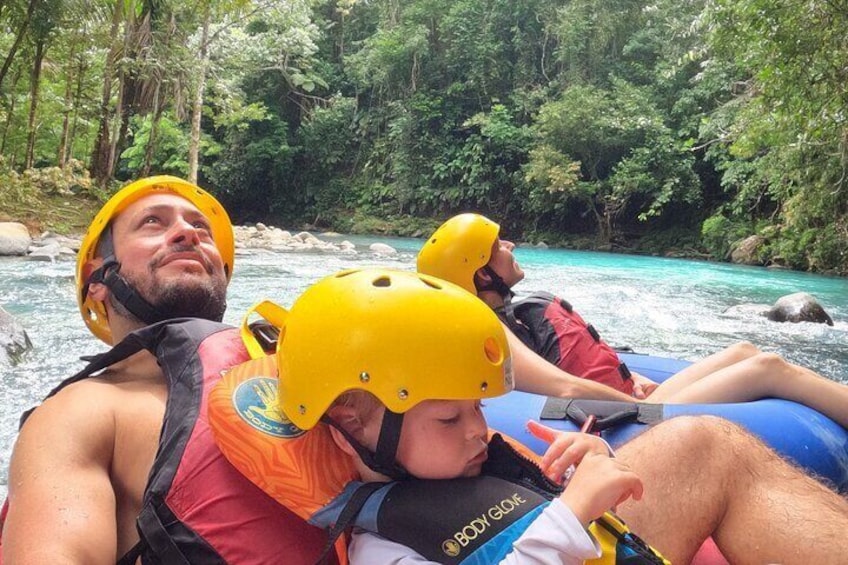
x: 555, y: 536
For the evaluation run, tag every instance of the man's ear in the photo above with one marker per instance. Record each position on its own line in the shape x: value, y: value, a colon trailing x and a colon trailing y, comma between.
x: 96, y: 291
x: 348, y: 418
x: 482, y: 278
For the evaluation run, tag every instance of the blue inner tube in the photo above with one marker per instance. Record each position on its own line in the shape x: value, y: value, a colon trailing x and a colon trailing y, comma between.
x: 802, y: 435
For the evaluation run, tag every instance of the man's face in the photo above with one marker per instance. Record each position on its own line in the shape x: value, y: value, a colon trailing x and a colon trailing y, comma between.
x: 166, y: 251
x: 440, y: 439
x: 504, y: 264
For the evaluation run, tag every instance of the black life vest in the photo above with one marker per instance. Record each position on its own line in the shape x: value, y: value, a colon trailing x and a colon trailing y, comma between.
x: 473, y: 520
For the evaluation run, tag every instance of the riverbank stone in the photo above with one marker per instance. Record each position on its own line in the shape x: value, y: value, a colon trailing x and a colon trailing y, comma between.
x: 14, y: 341
x: 382, y: 249
x: 269, y: 238
x: 747, y: 251
x: 14, y: 238
x: 798, y: 307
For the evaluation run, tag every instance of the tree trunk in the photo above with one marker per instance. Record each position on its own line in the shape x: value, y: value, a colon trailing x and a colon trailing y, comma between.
x: 123, y: 118
x: 11, y: 113
x: 69, y: 150
x: 154, y: 129
x: 197, y: 104
x: 137, y: 39
x: 600, y: 218
x: 100, y: 154
x: 35, y: 81
x: 18, y: 39
x: 62, y: 153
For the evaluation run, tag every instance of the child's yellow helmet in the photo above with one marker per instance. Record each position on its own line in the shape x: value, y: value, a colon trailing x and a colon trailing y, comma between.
x: 458, y: 249
x: 401, y: 336
x: 94, y: 312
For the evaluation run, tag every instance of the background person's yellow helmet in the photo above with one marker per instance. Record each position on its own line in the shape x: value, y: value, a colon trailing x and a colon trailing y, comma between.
x: 94, y: 312
x: 458, y: 249
x: 401, y: 336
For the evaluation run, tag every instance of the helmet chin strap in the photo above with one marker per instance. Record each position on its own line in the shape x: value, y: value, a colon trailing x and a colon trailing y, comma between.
x: 383, y: 459
x: 107, y: 274
x: 496, y: 284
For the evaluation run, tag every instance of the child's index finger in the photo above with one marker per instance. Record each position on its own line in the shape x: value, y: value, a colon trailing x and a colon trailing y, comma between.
x: 542, y: 432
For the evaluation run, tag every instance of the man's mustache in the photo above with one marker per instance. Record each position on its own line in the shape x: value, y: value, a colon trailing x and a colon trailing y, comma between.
x: 157, y: 261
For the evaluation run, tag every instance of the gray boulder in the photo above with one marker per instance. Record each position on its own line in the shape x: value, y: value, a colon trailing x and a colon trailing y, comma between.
x: 14, y: 341
x: 798, y: 307
x: 14, y: 238
x: 382, y: 249
x: 746, y: 251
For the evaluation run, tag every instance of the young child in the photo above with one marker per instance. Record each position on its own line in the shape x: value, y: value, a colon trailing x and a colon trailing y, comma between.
x: 557, y: 354
x: 413, y: 357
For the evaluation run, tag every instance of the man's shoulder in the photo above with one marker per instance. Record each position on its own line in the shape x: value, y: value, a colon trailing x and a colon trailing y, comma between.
x: 89, y: 396
x: 95, y: 395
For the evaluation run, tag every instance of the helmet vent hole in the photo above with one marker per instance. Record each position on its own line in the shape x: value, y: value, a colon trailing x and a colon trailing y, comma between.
x: 493, y: 351
x: 382, y: 282
x: 432, y: 284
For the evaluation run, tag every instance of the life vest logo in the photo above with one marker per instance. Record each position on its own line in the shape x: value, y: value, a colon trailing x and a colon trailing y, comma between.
x: 451, y: 547
x: 479, y: 525
x: 255, y: 401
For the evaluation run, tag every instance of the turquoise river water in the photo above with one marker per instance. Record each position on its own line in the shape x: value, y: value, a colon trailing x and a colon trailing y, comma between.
x: 671, y: 307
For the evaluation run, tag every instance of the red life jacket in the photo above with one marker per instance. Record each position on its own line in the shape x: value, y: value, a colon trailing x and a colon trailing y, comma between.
x: 549, y: 326
x: 197, y: 508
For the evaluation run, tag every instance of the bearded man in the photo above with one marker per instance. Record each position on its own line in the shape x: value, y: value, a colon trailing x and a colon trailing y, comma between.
x: 118, y: 464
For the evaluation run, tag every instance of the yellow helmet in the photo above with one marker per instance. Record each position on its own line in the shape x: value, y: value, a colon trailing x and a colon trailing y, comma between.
x: 94, y: 312
x: 401, y: 336
x: 460, y: 247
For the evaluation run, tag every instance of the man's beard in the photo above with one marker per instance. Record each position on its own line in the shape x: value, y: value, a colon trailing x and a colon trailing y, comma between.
x: 205, y: 299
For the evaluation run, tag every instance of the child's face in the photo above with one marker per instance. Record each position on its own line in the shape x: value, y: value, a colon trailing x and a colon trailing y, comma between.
x: 443, y: 439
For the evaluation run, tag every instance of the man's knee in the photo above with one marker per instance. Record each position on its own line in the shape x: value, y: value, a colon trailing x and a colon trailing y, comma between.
x: 743, y: 349
x: 769, y: 362
x: 706, y: 441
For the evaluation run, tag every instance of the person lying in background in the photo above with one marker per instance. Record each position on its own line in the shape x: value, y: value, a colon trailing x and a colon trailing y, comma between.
x: 401, y: 396
x: 557, y: 354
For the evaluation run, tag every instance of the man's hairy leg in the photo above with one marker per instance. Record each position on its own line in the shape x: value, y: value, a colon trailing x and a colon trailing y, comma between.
x: 706, y: 476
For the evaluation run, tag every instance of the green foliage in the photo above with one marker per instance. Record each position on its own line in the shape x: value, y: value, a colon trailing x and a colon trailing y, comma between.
x: 626, y: 155
x: 719, y: 233
x: 401, y: 225
x: 589, y: 120
x: 328, y: 151
x: 48, y: 198
x: 170, y: 143
x: 783, y: 149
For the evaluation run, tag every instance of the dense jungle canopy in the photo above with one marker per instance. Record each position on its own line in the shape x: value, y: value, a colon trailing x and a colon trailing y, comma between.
x: 684, y: 123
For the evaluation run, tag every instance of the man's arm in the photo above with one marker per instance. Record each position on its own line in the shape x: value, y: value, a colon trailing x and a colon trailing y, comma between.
x: 535, y: 374
x: 61, y: 500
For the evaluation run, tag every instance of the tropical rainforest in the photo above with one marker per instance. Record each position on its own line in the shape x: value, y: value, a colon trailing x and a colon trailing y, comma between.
x: 630, y: 124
